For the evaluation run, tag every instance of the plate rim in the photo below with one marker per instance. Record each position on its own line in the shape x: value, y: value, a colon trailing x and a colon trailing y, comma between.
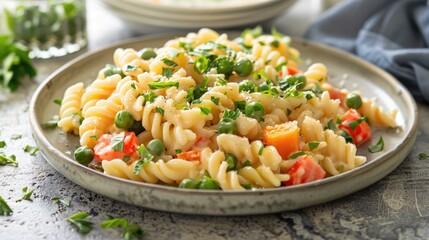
x: 409, y: 135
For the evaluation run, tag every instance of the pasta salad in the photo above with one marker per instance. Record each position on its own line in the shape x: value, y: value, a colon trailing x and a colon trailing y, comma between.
x: 208, y: 112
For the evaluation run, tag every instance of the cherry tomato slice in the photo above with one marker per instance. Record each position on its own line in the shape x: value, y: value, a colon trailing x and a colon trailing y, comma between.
x: 103, y: 150
x: 304, y: 170
x: 361, y: 133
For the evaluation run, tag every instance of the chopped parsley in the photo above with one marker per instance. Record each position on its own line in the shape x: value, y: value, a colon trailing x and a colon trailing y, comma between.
x: 313, y: 145
x: 30, y: 149
x: 356, y: 123
x: 159, y: 110
x: 27, y: 194
x: 423, y: 156
x: 261, y: 150
x: 205, y: 110
x: 2, y: 144
x: 5, y: 210
x: 166, y: 72
x: 145, y: 156
x: 215, y: 100
x: 133, y: 85
x: 177, y: 151
x: 117, y: 142
x: 58, y: 101
x: 331, y: 125
x: 280, y: 66
x: 130, y: 68
x: 94, y: 137
x: 16, y: 136
x: 149, y: 97
x: 296, y: 155
x: 378, y: 147
x: 50, y: 124
x: 129, y: 231
x: 8, y: 160
x: 64, y: 202
x: 162, y: 85
x: 232, y: 114
x: 79, y: 220
x: 247, y: 164
x: 169, y: 62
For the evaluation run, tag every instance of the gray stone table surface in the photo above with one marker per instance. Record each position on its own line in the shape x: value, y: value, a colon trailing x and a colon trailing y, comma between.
x: 397, y: 207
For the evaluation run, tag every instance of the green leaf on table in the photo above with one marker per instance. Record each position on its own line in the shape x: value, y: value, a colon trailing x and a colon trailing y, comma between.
x: 4, y: 160
x: 30, y: 149
x: 2, y: 144
x: 27, y: 195
x: 423, y: 156
x: 129, y: 231
x: 62, y: 201
x: 79, y: 220
x: 5, y: 210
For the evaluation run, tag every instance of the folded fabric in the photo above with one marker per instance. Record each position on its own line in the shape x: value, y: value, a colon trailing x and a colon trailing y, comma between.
x: 393, y: 34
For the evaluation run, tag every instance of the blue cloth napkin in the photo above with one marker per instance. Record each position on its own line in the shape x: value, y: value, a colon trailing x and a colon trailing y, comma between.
x: 392, y: 34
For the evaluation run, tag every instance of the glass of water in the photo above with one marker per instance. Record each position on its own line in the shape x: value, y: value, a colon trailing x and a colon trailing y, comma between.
x: 50, y: 28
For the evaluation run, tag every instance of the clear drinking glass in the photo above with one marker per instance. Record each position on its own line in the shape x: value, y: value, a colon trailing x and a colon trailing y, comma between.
x: 50, y: 28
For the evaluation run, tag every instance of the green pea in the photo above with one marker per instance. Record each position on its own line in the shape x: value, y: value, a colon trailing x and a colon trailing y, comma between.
x: 224, y: 65
x: 209, y: 184
x: 263, y: 87
x: 156, y: 147
x: 147, y: 53
x: 190, y: 183
x: 243, y: 67
x: 137, y: 127
x: 254, y: 110
x: 231, y: 160
x: 124, y: 119
x: 83, y: 155
x: 353, y: 100
x: 227, y: 125
x: 110, y: 70
x: 301, y: 81
x: 246, y: 86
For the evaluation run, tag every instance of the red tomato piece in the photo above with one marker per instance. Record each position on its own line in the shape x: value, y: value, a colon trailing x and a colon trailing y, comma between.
x: 361, y: 133
x: 103, y: 150
x: 305, y: 170
x: 193, y: 155
x: 290, y: 71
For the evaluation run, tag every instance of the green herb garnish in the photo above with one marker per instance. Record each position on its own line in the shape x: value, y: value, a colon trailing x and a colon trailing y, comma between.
x: 296, y: 155
x: 313, y: 145
x: 423, y: 156
x: 129, y: 231
x: 377, y: 147
x: 5, y: 210
x: 80, y: 222
x: 117, y: 142
x: 162, y: 85
x: 62, y: 201
x: 30, y: 149
x: 27, y: 194
x: 2, y: 144
x: 58, y: 101
x: 205, y: 110
x: 8, y: 160
x: 356, y: 123
x: 159, y: 110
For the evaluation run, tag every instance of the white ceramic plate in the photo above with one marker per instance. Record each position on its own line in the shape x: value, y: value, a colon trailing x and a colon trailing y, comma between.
x: 57, y: 147
x: 136, y: 15
x: 205, y: 6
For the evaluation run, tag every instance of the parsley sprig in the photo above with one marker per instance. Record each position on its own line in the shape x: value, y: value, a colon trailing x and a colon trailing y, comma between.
x: 79, y: 220
x: 129, y: 231
x: 27, y: 195
x: 5, y: 210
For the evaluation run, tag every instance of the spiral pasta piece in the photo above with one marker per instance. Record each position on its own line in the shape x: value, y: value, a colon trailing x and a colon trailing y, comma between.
x: 99, y: 89
x: 170, y: 172
x: 217, y: 168
x: 98, y: 120
x: 70, y: 113
x: 255, y: 152
x: 262, y: 176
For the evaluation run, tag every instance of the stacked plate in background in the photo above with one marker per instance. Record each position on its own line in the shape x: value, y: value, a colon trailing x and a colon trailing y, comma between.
x: 161, y: 15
